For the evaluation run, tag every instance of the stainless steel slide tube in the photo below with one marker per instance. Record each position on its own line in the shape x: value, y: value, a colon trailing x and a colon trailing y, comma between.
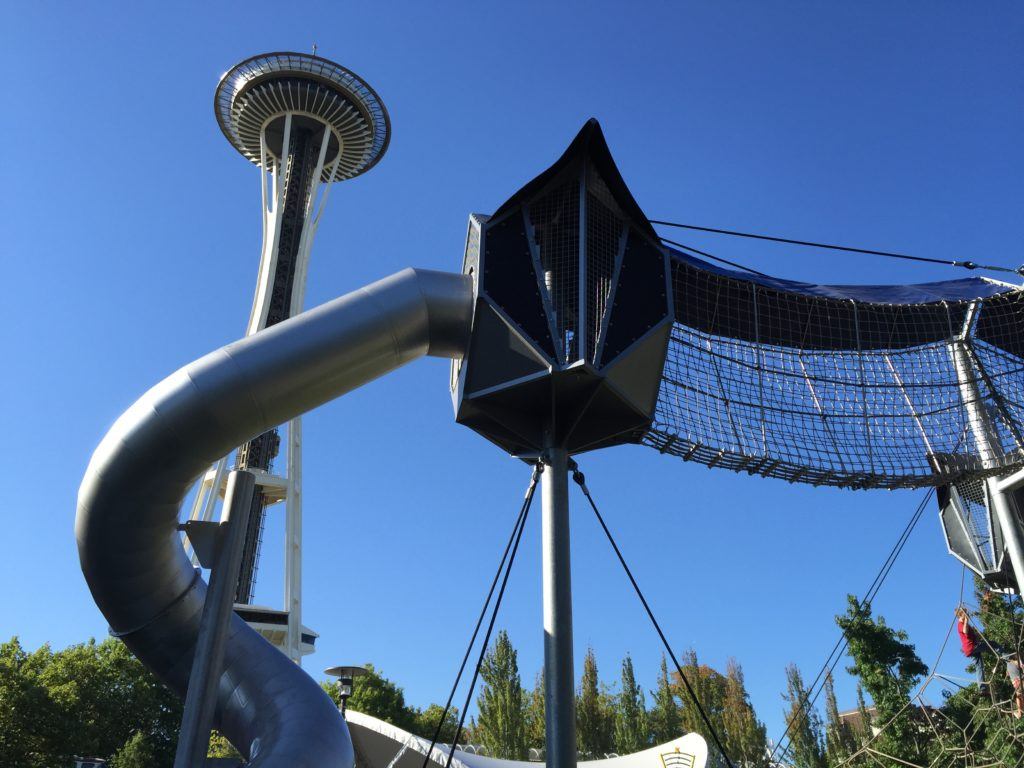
x: 128, y: 504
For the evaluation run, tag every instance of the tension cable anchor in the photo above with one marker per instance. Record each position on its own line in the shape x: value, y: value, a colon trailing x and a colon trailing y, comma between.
x: 578, y: 477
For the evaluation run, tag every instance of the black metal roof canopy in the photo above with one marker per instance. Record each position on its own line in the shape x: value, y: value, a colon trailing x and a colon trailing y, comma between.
x: 573, y: 311
x: 854, y: 386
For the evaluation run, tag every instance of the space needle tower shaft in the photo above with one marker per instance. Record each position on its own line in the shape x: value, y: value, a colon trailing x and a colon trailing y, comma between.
x: 305, y: 122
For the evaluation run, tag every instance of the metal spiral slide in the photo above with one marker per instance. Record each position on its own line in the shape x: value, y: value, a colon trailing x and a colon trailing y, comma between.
x: 126, y: 525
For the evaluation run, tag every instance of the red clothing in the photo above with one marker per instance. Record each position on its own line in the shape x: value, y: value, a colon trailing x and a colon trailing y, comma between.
x: 968, y: 638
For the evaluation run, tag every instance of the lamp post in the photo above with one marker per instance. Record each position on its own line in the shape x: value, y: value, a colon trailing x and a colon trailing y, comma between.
x: 345, y: 677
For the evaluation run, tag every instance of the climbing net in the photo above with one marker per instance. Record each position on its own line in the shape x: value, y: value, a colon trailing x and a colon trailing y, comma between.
x: 862, y: 387
x: 973, y: 728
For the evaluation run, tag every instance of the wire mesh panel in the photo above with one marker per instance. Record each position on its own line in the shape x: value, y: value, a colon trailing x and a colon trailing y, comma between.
x: 605, y: 230
x: 975, y: 513
x: 556, y: 227
x: 859, y: 387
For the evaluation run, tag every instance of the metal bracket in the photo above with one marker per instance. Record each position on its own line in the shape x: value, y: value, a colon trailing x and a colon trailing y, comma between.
x: 206, y: 537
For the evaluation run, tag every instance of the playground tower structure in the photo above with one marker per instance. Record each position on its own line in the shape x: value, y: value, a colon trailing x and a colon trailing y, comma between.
x: 305, y: 122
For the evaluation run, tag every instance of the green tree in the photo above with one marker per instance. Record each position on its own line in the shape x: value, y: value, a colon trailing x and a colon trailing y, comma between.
x: 221, y: 747
x: 664, y: 721
x: 594, y: 719
x: 709, y: 687
x: 27, y: 713
x: 92, y: 699
x: 535, y: 729
x: 137, y: 752
x: 502, y: 720
x: 107, y: 696
x: 889, y: 668
x: 994, y: 735
x: 1000, y: 618
x: 803, y: 723
x: 745, y: 737
x: 631, y: 731
x: 424, y: 723
x: 839, y: 738
x: 999, y: 622
x: 862, y: 733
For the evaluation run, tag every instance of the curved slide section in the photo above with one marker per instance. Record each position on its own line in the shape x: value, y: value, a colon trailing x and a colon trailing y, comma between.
x: 126, y: 525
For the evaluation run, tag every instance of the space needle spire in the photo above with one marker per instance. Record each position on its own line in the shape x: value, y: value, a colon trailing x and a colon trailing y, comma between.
x: 305, y: 122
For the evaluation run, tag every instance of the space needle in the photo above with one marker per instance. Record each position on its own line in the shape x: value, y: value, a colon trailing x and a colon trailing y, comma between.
x: 305, y: 122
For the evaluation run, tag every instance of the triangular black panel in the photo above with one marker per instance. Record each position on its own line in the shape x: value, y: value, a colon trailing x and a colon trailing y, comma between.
x: 497, y: 354
x: 573, y: 390
x: 640, y: 301
x: 511, y: 281
x: 486, y: 422
x: 522, y: 410
x: 605, y: 226
x: 636, y: 374
x: 608, y: 421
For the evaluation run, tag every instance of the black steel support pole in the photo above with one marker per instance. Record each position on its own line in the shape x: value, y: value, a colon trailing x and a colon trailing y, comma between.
x: 559, y: 680
x: 197, y: 719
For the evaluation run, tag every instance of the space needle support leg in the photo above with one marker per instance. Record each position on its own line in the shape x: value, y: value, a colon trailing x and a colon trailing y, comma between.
x: 559, y: 680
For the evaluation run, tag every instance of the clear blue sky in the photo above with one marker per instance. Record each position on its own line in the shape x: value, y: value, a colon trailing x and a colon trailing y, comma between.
x: 131, y: 238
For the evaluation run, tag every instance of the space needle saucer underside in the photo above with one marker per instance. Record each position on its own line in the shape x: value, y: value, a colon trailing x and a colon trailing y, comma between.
x: 258, y: 90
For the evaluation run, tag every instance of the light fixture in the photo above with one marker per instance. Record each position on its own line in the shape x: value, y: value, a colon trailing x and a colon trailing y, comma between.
x: 345, y: 677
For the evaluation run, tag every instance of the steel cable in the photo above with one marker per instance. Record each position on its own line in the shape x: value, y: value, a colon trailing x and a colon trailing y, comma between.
x: 580, y: 480
x: 490, y: 625
x: 832, y: 247
x: 513, y: 539
x: 840, y: 647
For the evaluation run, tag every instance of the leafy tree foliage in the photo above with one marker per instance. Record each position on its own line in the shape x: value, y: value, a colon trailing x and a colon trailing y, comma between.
x: 1000, y: 618
x: 745, y: 737
x: 425, y: 724
x: 804, y: 724
x: 709, y: 687
x: 93, y: 699
x: 594, y: 717
x: 27, y: 713
x: 664, y: 721
x: 863, y: 732
x: 137, y: 752
x: 840, y: 742
x: 631, y: 732
x: 221, y: 747
x: 502, y: 721
x: 1000, y: 622
x: 888, y: 668
x: 535, y: 733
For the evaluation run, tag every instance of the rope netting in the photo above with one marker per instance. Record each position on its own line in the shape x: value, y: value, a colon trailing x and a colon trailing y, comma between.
x: 974, y: 727
x: 876, y: 386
